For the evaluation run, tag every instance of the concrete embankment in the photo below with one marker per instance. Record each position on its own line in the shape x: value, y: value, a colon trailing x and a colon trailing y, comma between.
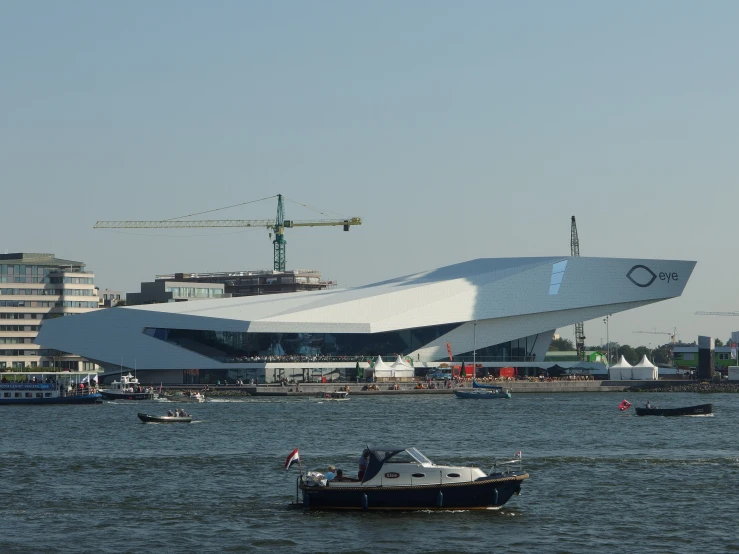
x: 682, y: 386
x: 319, y: 389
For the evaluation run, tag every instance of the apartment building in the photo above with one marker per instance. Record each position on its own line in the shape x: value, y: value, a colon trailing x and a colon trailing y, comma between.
x: 35, y: 287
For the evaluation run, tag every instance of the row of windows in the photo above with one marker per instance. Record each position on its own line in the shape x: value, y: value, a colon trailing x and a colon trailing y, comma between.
x: 240, y: 347
x: 194, y: 292
x: 46, y: 280
x: 16, y: 340
x: 22, y: 269
x: 47, y: 292
x: 64, y: 364
x: 28, y: 394
x: 21, y: 328
x: 29, y: 316
x: 57, y: 304
x: 40, y: 352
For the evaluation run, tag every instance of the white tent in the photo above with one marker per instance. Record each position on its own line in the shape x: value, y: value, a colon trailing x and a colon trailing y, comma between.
x: 620, y: 371
x: 401, y: 368
x: 644, y: 370
x: 381, y: 369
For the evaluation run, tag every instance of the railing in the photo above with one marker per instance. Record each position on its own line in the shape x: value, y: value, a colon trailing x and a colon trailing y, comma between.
x: 469, y: 358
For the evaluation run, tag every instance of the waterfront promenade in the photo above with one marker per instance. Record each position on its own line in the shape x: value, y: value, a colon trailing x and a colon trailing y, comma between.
x: 516, y: 387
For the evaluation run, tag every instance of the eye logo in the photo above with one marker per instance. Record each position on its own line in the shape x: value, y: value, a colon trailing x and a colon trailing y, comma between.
x: 641, y: 276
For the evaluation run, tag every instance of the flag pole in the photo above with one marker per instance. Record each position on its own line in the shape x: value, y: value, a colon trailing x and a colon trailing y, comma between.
x: 300, y: 464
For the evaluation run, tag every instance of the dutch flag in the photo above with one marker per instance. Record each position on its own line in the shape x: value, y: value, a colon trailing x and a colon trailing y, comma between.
x: 292, y: 458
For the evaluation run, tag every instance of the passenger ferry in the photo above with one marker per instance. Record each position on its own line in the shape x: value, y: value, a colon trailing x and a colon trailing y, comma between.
x: 48, y: 387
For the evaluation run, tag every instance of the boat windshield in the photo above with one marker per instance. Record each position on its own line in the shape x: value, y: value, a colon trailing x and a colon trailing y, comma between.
x: 418, y: 456
x: 407, y: 456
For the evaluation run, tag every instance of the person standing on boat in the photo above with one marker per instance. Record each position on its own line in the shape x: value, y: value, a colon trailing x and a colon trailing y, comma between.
x: 363, y: 461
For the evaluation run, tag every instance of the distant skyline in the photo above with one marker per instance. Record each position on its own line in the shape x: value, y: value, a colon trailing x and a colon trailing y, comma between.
x: 456, y: 131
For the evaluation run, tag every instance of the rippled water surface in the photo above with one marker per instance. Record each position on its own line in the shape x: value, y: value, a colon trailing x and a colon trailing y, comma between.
x: 95, y: 479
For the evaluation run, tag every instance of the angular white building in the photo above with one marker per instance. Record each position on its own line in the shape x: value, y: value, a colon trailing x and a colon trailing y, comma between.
x: 505, y: 310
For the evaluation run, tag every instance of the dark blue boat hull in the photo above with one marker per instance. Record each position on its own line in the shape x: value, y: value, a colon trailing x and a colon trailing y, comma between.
x: 487, y: 493
x: 86, y: 399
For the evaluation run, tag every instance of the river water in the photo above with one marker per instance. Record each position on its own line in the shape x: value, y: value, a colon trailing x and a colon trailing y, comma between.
x: 95, y: 479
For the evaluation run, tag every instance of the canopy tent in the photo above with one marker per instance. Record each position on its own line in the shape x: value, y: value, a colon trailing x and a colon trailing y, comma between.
x: 556, y: 371
x: 620, y: 371
x: 401, y: 368
x: 381, y: 369
x: 645, y: 370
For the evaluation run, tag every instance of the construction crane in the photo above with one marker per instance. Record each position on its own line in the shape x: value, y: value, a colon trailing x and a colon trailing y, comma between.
x: 718, y: 313
x: 579, y: 327
x: 672, y: 334
x: 276, y: 226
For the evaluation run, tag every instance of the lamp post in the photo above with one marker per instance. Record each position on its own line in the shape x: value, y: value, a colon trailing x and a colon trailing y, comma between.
x: 474, y: 346
x: 608, y: 340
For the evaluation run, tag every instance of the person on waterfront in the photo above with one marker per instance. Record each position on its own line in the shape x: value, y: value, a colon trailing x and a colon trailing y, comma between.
x: 363, y: 461
x: 330, y: 475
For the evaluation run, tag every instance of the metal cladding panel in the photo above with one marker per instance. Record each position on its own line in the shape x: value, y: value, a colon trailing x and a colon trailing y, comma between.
x: 514, y: 297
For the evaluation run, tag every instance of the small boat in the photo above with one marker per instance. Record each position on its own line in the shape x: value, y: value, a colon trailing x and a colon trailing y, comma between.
x: 128, y: 388
x: 186, y: 396
x: 491, y: 393
x: 405, y: 479
x: 48, y: 387
x: 147, y: 418
x: 701, y: 409
x: 335, y: 395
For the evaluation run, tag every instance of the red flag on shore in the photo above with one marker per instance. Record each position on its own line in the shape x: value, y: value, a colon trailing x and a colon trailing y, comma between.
x: 292, y: 458
x: 449, y: 350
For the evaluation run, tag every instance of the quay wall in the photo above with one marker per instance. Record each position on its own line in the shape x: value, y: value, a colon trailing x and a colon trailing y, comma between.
x: 318, y: 389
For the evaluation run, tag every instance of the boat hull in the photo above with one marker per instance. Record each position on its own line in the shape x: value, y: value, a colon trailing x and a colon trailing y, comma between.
x: 82, y: 399
x: 183, y: 399
x: 701, y: 409
x: 146, y: 418
x: 482, y: 394
x: 484, y: 494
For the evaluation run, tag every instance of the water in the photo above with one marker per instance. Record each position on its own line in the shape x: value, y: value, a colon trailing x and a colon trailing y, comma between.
x: 95, y: 479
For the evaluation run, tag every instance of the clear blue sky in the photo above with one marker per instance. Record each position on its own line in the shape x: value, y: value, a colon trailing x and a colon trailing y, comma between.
x: 457, y: 130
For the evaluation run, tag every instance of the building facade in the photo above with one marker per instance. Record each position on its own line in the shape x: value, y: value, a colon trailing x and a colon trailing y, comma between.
x: 502, y: 312
x: 110, y: 298
x: 35, y: 288
x: 257, y: 283
x: 161, y: 291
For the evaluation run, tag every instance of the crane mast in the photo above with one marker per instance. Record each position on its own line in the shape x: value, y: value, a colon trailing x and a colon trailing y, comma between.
x: 579, y: 327
x: 279, y: 242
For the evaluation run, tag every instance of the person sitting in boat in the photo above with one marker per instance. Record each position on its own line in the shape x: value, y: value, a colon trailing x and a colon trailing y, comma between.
x: 649, y: 405
x: 340, y: 476
x: 169, y: 413
x: 330, y: 475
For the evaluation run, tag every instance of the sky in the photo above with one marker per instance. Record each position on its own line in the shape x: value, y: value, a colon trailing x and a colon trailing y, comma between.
x: 455, y: 130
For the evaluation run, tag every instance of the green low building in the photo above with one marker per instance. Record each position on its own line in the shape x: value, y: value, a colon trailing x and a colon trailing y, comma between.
x: 571, y: 356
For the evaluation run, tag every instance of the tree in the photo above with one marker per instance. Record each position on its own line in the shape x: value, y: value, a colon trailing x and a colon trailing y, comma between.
x: 629, y: 353
x: 717, y: 342
x: 561, y: 345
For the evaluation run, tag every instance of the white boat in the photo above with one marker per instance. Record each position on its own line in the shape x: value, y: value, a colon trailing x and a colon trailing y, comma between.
x: 186, y: 396
x: 405, y: 479
x: 335, y: 396
x: 128, y: 388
